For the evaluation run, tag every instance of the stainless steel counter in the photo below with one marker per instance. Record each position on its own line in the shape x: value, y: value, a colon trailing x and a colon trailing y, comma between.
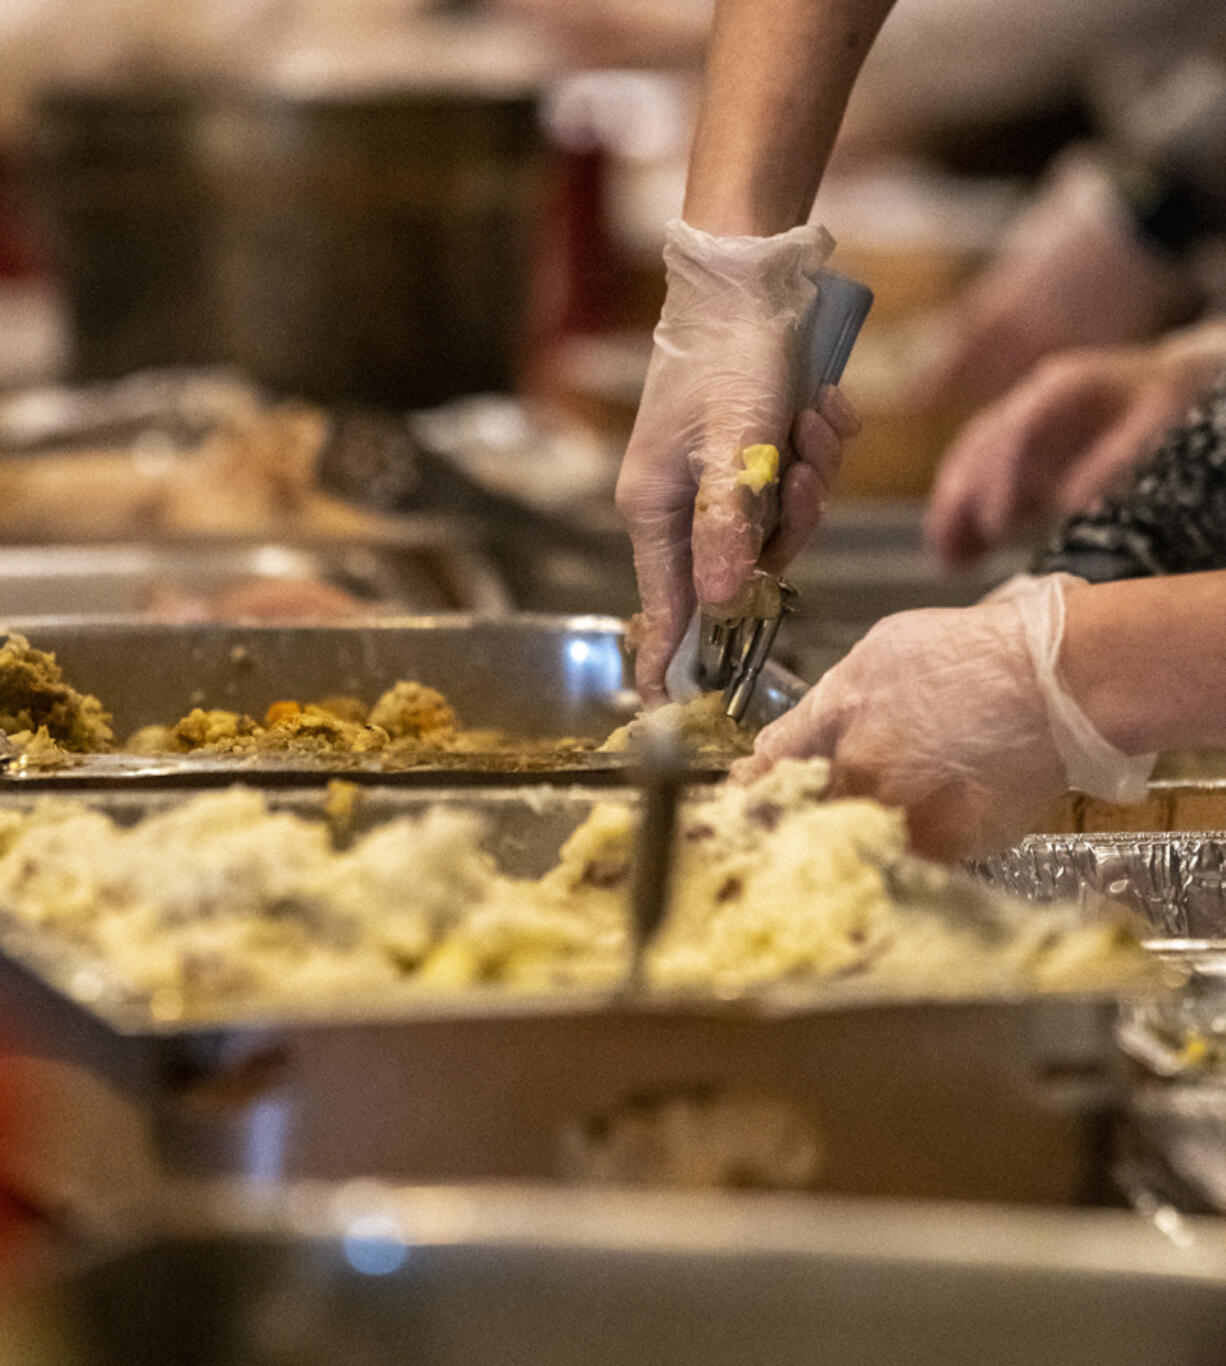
x: 462, y: 1276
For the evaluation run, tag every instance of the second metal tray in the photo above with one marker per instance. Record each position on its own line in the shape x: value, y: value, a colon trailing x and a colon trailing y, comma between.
x: 525, y: 674
x: 430, y: 571
x: 958, y: 1098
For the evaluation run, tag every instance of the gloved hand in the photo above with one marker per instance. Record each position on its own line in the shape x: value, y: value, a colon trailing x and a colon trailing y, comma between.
x: 1063, y: 436
x: 723, y: 377
x: 958, y: 716
x: 1071, y: 273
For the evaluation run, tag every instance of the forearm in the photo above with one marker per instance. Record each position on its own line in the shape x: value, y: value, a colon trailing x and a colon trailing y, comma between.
x: 779, y: 74
x: 1146, y: 660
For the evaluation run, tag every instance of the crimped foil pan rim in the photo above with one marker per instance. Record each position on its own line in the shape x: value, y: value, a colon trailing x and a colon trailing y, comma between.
x: 1175, y: 881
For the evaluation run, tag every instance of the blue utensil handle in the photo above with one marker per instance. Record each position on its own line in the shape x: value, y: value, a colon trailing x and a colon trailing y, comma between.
x: 830, y: 331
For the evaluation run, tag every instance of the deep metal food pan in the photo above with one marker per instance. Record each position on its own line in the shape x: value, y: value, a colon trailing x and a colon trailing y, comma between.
x: 505, y: 1276
x: 976, y: 1098
x: 525, y: 674
x: 1175, y: 882
x: 427, y: 573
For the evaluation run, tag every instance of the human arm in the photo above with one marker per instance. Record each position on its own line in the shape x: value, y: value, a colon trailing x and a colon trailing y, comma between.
x: 1073, y: 272
x: 973, y: 719
x: 723, y: 373
x: 778, y: 78
x: 1146, y: 658
x: 1063, y: 436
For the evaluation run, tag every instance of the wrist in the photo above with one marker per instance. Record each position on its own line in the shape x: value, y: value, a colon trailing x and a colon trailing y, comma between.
x: 1129, y: 659
x: 1094, y: 763
x: 736, y: 210
x: 1111, y: 703
x: 772, y: 274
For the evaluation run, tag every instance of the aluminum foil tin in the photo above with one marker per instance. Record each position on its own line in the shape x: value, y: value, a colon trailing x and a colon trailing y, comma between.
x: 1176, y: 882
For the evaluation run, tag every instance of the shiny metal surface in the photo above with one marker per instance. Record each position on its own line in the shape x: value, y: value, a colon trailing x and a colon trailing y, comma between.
x: 1175, y: 881
x: 517, y: 1277
x: 527, y: 674
x: 962, y: 1100
x: 981, y: 1098
x: 428, y: 572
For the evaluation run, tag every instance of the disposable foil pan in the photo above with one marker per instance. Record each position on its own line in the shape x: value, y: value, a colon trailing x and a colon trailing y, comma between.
x: 983, y: 1097
x: 526, y: 674
x: 1176, y: 882
x: 1175, y: 1113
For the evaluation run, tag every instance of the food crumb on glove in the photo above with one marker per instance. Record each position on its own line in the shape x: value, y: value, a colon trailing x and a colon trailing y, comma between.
x: 761, y: 467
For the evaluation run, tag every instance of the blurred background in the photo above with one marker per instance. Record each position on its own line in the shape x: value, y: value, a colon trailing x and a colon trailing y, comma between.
x: 381, y: 208
x: 334, y: 307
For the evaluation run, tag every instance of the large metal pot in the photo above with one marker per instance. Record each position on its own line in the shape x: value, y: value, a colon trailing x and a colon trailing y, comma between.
x: 376, y: 246
x: 131, y: 224
x: 372, y: 246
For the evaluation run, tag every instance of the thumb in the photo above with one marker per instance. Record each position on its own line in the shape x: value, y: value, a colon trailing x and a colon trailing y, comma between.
x: 810, y: 730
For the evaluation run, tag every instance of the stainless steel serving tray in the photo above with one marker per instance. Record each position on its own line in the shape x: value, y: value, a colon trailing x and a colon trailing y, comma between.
x: 430, y: 570
x: 983, y: 1097
x: 513, y: 1276
x: 526, y: 674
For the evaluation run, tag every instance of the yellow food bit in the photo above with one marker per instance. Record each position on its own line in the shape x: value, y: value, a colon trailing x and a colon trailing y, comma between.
x: 761, y: 467
x: 1195, y: 1050
x: 455, y: 963
x: 281, y: 711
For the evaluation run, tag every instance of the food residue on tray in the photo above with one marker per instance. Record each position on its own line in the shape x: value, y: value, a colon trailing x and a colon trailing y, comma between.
x: 42, y: 714
x: 221, y: 899
x: 47, y: 721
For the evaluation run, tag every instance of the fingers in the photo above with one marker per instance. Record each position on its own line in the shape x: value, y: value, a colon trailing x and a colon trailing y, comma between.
x: 951, y: 518
x: 727, y: 532
x: 809, y: 731
x: 801, y: 502
x: 658, y: 519
x: 1120, y: 450
x: 837, y: 409
x: 662, y: 565
x: 817, y: 441
x: 1006, y: 467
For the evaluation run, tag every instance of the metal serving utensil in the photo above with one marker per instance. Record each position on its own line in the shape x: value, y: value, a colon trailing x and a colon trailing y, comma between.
x: 727, y: 651
x: 662, y: 774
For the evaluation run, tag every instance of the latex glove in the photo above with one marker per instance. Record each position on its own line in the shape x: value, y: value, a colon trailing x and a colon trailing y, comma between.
x: 1063, y: 437
x: 1071, y: 273
x: 958, y: 716
x: 723, y: 377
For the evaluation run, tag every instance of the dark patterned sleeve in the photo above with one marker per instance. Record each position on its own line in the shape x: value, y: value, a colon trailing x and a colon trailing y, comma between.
x: 1170, y: 518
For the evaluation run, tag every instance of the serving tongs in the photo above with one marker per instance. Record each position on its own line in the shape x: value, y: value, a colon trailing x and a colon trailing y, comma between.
x: 726, y: 650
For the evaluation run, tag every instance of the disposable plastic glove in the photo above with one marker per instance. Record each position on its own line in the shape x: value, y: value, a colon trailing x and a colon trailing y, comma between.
x: 1064, y: 436
x: 723, y: 377
x: 959, y: 717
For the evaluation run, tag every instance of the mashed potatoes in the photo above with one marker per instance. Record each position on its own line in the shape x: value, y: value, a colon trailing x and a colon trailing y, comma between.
x: 220, y: 899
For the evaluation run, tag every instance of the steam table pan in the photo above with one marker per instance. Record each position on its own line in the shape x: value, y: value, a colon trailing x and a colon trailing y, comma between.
x: 979, y: 1097
x: 530, y: 675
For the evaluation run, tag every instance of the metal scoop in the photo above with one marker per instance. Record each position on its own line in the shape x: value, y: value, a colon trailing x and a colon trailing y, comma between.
x: 727, y: 651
